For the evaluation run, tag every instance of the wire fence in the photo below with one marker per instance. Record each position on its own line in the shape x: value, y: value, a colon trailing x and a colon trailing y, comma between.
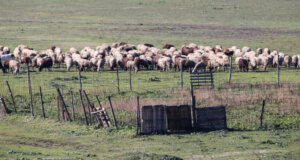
x: 243, y: 97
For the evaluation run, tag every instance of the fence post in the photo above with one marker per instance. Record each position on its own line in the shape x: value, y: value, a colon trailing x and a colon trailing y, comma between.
x: 278, y: 71
x: 230, y: 69
x: 113, y: 113
x: 30, y: 90
x: 42, y: 103
x: 12, y: 97
x: 79, y: 78
x: 118, y: 80
x: 99, y: 102
x: 138, y: 115
x: 90, y: 107
x: 82, y: 104
x: 181, y: 77
x: 65, y: 109
x: 194, y: 112
x: 262, y: 113
x: 72, y: 103
x: 58, y: 110
x: 130, y: 78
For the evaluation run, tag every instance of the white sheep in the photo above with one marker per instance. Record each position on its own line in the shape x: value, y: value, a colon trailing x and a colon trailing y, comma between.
x: 14, y: 66
x: 295, y: 61
x: 69, y: 62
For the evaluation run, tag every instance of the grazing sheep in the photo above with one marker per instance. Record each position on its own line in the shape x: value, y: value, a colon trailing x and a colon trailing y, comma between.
x: 69, y: 62
x: 100, y: 64
x: 295, y: 61
x: 253, y: 62
x: 12, y: 65
x: 132, y: 65
x: 287, y: 61
x: 242, y: 64
x: 46, y: 63
x: 246, y: 49
x: 167, y: 46
x: 111, y: 62
x: 275, y: 60
x: 74, y: 50
x: 259, y: 51
x: 186, y: 50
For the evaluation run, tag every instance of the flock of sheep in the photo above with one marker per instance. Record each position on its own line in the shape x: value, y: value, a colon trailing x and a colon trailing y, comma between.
x: 145, y: 56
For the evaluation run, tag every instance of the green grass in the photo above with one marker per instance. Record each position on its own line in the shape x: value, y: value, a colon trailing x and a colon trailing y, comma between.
x: 269, y: 23
x: 26, y: 137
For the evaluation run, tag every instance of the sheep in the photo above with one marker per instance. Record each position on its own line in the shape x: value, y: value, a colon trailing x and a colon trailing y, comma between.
x: 100, y: 64
x: 164, y: 63
x: 275, y: 60
x: 238, y: 53
x: 186, y: 50
x: 295, y: 61
x: 69, y: 62
x: 46, y: 63
x: 167, y: 46
x: 36, y: 61
x: 17, y: 52
x: 243, y: 64
x: 73, y: 50
x: 111, y: 61
x: 259, y: 51
x: 13, y: 65
x: 132, y: 65
x: 266, y: 52
x: 104, y: 48
x: 84, y: 64
x: 246, y: 49
x: 287, y: 61
x: 253, y: 62
x: 200, y: 65
x: 52, y: 55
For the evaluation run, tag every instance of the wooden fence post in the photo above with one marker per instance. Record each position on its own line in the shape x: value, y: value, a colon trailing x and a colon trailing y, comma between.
x: 262, y: 113
x: 72, y: 104
x: 90, y: 107
x: 230, y: 70
x: 42, y: 103
x: 138, y: 120
x: 30, y: 90
x: 130, y: 78
x: 58, y: 108
x: 113, y: 113
x: 118, y: 79
x: 181, y: 76
x: 79, y: 78
x: 64, y: 105
x: 99, y: 102
x: 82, y: 104
x: 12, y: 97
x: 278, y: 71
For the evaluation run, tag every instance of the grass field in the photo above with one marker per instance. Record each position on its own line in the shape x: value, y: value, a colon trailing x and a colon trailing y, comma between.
x: 269, y: 23
x: 78, y: 23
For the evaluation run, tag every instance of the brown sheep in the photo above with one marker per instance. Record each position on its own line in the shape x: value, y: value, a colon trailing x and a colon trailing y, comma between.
x: 46, y: 63
x: 187, y: 50
x: 168, y: 46
x: 243, y: 65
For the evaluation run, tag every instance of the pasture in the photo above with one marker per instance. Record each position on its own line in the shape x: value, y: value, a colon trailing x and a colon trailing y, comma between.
x: 269, y: 23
